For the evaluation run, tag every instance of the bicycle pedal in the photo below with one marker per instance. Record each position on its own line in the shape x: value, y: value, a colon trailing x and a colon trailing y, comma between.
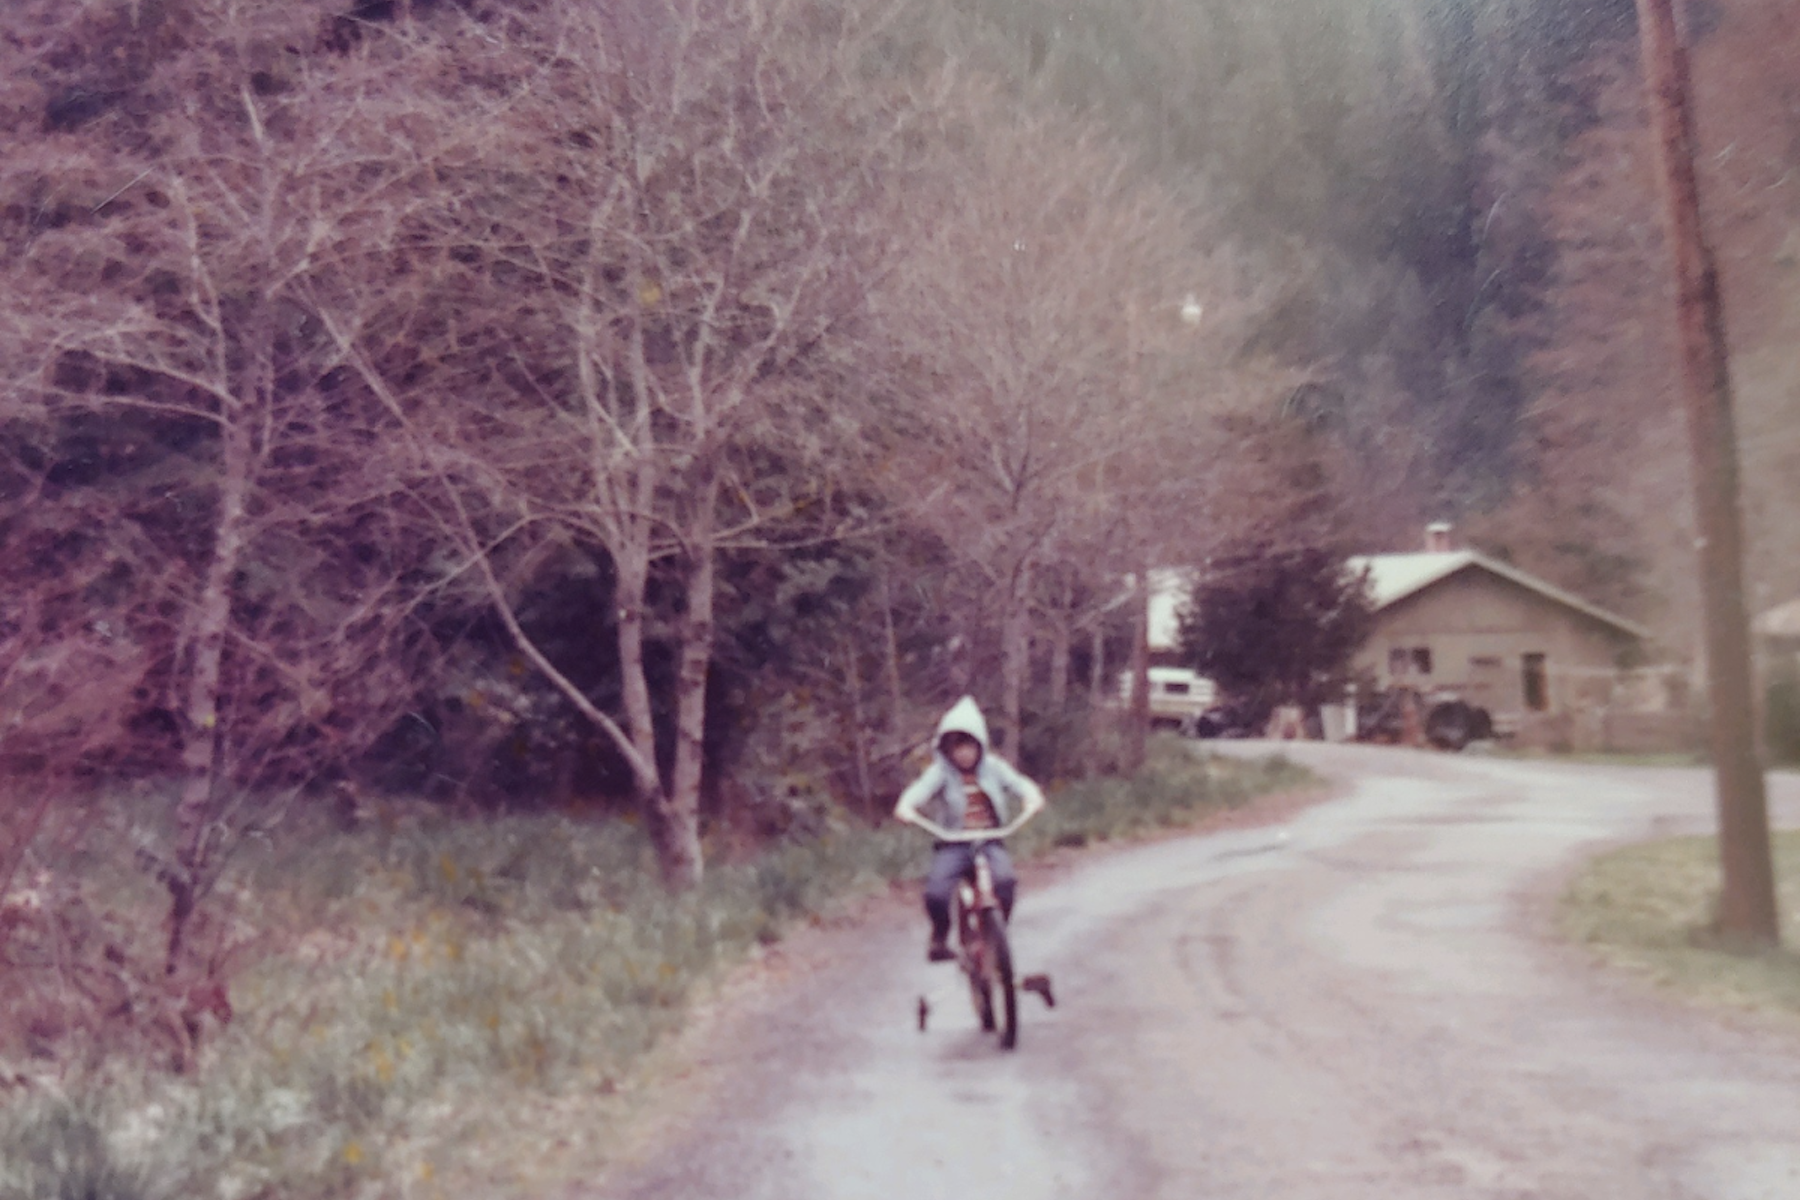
x: 1041, y: 985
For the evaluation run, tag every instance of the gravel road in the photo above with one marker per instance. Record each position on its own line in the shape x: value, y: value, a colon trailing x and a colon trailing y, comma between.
x: 1358, y: 1003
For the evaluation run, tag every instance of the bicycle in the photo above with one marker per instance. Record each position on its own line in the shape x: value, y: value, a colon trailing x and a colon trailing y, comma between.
x: 983, y: 951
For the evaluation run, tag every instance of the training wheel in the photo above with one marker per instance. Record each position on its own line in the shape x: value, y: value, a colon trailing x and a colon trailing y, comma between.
x: 924, y: 1013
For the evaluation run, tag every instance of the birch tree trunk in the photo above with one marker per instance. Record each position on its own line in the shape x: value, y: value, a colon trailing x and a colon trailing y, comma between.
x: 1060, y: 637
x: 859, y: 733
x: 892, y: 655
x: 1015, y: 658
x: 631, y: 561
x: 201, y: 740
x: 679, y: 838
x: 1097, y: 671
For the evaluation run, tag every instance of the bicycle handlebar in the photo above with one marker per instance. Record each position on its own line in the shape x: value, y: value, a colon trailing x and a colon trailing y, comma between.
x: 973, y: 835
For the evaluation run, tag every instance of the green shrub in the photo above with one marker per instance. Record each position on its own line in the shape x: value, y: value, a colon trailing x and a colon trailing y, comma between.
x: 1781, y: 718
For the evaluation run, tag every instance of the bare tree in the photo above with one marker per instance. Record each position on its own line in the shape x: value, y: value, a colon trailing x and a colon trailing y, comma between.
x: 671, y: 244
x: 1040, y: 321
x: 164, y: 291
x: 1604, y: 505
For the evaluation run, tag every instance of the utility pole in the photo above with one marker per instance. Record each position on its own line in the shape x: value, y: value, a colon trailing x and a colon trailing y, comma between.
x: 1747, y: 911
x: 1137, y: 719
x: 1137, y: 739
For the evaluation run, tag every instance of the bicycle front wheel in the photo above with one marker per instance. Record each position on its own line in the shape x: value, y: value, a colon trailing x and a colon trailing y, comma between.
x: 982, y: 994
x: 993, y: 929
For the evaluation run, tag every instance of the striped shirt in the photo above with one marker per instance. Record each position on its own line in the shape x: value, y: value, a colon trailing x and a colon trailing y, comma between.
x: 979, y: 813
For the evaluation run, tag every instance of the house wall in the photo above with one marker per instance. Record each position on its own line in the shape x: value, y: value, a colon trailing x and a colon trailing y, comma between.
x: 1478, y: 628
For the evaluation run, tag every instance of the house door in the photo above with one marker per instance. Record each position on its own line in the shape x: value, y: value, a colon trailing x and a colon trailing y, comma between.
x: 1534, y: 675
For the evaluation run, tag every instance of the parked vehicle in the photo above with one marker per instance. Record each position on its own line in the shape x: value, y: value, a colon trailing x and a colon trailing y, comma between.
x: 1179, y: 696
x: 1231, y: 718
x: 1444, y: 718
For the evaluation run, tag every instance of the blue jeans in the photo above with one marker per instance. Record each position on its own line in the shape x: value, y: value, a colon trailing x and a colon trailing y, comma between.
x: 950, y: 861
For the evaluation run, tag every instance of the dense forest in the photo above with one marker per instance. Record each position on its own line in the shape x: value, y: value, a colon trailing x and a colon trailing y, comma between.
x: 666, y: 406
x: 1461, y: 203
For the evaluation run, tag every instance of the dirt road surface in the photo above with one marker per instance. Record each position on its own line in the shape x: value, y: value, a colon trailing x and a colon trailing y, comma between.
x: 1362, y: 1002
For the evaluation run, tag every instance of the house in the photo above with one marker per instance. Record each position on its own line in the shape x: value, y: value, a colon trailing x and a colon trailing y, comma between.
x: 1548, y: 667
x: 1778, y: 633
x: 1500, y: 638
x: 1170, y: 588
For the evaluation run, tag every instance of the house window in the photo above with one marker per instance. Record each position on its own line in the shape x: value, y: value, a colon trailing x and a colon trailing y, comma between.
x: 1176, y: 689
x: 1409, y: 660
x: 1535, y: 676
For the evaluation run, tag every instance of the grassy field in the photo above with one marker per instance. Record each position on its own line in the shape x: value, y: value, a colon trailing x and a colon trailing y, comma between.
x: 444, y: 1005
x: 1649, y: 909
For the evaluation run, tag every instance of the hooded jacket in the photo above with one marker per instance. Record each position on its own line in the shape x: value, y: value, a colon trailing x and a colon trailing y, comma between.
x: 938, y: 794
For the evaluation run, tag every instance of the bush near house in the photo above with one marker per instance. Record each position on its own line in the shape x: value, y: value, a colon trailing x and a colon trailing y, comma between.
x: 1781, y: 718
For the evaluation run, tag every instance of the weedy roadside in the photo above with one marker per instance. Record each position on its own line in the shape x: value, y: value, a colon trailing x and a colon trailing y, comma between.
x: 432, y: 988
x: 1649, y: 909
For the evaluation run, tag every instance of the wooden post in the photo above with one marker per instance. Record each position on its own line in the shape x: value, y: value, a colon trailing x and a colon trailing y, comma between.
x: 1137, y: 740
x: 1747, y: 909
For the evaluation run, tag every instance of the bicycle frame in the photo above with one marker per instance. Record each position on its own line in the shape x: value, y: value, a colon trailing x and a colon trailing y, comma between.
x: 975, y: 896
x: 983, y: 951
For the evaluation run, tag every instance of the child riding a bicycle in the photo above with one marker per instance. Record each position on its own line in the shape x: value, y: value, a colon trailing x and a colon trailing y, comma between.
x: 967, y: 788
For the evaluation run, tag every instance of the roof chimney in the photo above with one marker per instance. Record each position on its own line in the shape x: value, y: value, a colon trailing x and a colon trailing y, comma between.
x: 1437, y: 537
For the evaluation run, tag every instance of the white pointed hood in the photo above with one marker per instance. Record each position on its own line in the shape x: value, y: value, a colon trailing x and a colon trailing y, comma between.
x: 964, y: 717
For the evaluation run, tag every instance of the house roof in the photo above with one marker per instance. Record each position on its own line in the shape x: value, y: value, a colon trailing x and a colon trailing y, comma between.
x: 1169, y: 588
x: 1782, y: 621
x: 1394, y: 577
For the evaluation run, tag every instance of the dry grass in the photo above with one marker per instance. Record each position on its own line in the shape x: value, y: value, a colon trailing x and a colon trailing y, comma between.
x: 1604, y: 758
x: 1649, y: 909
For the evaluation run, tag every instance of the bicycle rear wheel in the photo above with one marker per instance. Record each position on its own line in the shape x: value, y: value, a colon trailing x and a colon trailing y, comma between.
x: 993, y: 929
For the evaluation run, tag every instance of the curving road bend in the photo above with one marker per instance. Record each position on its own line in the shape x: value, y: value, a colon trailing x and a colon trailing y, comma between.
x: 1357, y: 1004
